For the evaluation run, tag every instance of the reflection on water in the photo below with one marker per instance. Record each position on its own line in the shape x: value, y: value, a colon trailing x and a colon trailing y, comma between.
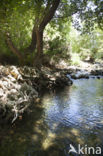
x: 71, y: 116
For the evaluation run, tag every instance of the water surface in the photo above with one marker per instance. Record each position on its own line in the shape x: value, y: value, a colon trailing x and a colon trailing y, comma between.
x: 73, y: 115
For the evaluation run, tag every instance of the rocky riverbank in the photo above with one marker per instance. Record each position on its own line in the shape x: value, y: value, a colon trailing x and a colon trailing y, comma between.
x: 86, y: 70
x: 79, y: 74
x: 83, y: 70
x: 20, y: 87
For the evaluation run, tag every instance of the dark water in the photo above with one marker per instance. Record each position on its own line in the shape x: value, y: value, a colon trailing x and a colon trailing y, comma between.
x: 73, y: 115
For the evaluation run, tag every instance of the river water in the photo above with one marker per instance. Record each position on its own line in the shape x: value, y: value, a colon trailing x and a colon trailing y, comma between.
x: 73, y: 115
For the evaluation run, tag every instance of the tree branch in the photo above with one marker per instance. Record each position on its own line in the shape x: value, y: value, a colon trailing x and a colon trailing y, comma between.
x: 13, y: 48
x: 49, y: 15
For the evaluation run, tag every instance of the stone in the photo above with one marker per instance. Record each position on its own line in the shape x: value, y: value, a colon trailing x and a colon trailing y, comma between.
x: 1, y: 92
x: 20, y: 87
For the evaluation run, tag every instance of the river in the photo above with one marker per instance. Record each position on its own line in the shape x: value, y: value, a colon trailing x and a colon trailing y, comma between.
x: 73, y: 115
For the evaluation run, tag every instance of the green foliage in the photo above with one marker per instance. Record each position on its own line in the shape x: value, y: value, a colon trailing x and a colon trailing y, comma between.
x: 19, y: 26
x: 87, y: 46
x: 75, y: 59
x: 56, y: 43
x: 18, y: 21
x: 23, y: 25
x: 64, y: 41
x: 60, y: 39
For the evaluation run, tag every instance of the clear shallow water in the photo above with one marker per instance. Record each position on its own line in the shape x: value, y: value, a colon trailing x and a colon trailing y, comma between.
x: 73, y: 115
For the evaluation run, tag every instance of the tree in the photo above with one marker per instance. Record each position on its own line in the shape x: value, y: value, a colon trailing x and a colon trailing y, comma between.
x: 45, y: 10
x: 89, y: 11
x: 40, y: 24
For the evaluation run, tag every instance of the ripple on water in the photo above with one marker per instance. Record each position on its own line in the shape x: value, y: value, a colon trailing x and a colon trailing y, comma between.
x: 71, y: 116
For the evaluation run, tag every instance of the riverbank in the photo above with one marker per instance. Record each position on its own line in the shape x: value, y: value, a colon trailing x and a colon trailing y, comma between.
x: 83, y: 70
x: 21, y: 87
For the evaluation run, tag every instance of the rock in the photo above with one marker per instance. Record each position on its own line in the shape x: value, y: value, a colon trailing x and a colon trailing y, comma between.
x: 15, y: 95
x: 14, y: 72
x: 97, y: 72
x: 1, y: 92
x: 21, y: 86
x: 79, y: 75
x: 25, y: 88
x: 13, y: 91
x: 62, y: 81
x: 11, y: 78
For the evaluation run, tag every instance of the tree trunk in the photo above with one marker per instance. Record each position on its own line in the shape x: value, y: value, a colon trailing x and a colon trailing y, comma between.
x: 39, y: 31
x: 32, y: 45
x: 49, y: 15
x: 14, y: 49
x: 39, y: 35
x: 39, y: 54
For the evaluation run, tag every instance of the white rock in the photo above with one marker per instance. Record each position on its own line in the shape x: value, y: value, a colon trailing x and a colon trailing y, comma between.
x: 1, y: 93
x: 11, y: 78
x: 13, y: 91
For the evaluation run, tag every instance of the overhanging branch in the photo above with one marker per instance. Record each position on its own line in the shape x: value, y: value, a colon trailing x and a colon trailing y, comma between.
x: 13, y: 48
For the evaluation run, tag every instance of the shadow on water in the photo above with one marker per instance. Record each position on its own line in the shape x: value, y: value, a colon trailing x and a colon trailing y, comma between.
x: 73, y: 115
x: 29, y: 137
